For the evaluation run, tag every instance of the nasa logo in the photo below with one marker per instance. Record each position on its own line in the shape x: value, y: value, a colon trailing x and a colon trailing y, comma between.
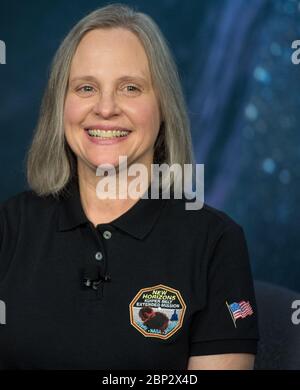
x: 157, y: 311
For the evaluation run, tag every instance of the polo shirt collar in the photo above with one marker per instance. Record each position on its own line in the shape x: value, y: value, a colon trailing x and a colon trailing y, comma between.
x: 137, y: 221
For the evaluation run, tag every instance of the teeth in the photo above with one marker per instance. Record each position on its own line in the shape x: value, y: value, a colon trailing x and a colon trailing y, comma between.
x: 107, y: 133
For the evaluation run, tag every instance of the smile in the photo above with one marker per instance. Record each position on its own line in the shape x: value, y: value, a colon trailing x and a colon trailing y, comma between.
x: 106, y: 134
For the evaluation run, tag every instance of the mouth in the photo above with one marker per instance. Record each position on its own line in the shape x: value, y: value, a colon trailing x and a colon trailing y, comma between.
x: 107, y: 134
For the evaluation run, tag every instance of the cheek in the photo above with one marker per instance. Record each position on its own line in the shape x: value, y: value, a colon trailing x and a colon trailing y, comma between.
x: 147, y: 117
x: 72, y: 111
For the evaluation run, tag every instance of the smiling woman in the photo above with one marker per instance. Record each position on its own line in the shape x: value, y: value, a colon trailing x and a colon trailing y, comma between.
x: 150, y: 285
x: 111, y: 107
x: 116, y: 66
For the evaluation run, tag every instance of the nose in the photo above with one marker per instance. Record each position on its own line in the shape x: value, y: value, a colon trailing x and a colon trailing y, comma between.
x: 106, y: 105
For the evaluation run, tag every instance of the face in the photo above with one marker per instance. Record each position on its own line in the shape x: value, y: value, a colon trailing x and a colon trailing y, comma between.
x: 111, y: 108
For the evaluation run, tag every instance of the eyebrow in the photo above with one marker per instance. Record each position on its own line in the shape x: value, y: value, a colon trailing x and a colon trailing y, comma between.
x: 122, y: 78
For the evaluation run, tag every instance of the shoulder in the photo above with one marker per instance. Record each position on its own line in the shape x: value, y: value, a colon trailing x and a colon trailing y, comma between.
x: 26, y: 204
x: 218, y: 217
x: 26, y: 199
x: 221, y: 223
x: 207, y: 220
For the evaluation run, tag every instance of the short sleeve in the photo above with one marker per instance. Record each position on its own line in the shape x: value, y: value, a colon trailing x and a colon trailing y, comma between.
x: 228, y: 321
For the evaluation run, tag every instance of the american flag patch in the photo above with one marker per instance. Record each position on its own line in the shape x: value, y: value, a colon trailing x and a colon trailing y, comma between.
x: 241, y: 309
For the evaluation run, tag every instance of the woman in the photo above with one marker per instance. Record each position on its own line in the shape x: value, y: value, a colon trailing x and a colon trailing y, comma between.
x: 98, y: 283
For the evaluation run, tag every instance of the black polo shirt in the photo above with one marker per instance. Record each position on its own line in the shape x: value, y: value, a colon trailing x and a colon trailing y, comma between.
x: 178, y: 284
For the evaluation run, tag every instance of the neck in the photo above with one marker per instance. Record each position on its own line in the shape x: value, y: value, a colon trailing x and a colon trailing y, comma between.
x: 102, y: 210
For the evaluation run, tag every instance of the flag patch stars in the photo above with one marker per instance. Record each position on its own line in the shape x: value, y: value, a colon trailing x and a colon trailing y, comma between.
x: 238, y: 310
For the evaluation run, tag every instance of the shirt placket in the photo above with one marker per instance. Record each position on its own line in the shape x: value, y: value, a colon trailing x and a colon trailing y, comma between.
x: 104, y: 234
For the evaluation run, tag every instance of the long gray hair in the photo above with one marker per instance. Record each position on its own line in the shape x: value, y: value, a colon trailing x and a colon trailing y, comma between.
x: 50, y: 162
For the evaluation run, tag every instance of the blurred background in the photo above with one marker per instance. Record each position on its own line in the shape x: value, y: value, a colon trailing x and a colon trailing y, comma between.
x: 242, y: 92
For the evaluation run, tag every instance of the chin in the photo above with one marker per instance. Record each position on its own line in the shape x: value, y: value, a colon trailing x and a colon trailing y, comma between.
x: 109, y: 163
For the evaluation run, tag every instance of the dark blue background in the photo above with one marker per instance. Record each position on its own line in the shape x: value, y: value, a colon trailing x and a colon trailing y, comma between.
x: 243, y: 94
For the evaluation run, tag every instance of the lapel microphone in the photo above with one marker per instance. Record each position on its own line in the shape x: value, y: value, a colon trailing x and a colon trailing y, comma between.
x: 93, y: 276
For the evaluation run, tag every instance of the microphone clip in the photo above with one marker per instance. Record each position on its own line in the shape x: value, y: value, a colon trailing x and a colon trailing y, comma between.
x: 93, y: 278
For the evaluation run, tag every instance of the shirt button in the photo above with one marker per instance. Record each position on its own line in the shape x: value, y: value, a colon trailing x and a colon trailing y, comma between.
x: 98, y: 256
x: 107, y: 234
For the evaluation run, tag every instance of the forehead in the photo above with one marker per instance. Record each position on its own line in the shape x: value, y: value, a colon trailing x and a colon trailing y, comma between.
x: 113, y: 50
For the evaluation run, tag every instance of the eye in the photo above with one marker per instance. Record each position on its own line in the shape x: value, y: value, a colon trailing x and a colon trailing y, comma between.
x: 85, y: 89
x: 132, y: 89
